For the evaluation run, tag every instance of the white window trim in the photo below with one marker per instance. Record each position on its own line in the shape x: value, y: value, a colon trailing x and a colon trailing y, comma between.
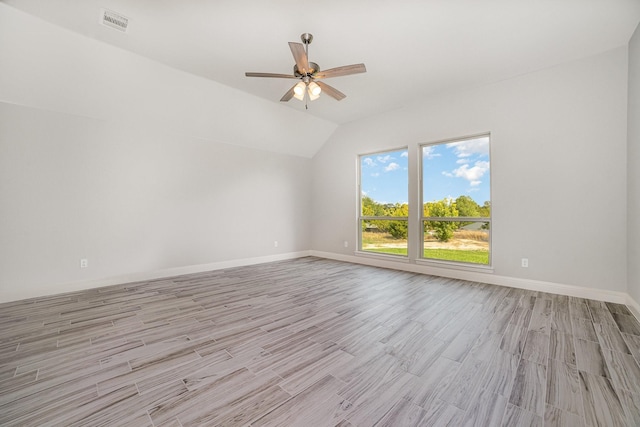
x: 359, y: 251
x: 444, y: 263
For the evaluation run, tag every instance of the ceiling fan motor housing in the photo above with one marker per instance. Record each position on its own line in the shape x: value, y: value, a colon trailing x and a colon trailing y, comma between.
x: 313, y: 68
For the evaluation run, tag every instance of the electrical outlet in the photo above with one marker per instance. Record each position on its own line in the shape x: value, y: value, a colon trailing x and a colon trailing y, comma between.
x: 346, y: 244
x: 525, y: 262
x: 275, y: 243
x: 84, y: 263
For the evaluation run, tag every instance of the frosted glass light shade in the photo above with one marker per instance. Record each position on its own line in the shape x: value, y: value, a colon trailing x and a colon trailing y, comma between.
x: 298, y: 91
x: 314, y: 89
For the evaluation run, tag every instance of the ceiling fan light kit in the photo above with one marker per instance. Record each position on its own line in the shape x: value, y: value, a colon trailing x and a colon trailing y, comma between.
x: 298, y: 91
x: 310, y: 75
x: 314, y: 90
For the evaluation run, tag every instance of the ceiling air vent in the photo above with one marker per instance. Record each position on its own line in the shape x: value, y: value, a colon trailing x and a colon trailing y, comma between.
x: 114, y: 20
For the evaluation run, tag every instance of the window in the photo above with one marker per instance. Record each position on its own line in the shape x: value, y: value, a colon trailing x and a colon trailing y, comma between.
x: 456, y: 200
x: 384, y: 208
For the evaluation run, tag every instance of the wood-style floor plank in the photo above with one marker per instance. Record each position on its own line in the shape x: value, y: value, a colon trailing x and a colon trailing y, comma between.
x: 501, y: 373
x: 554, y: 417
x: 486, y: 409
x: 563, y: 387
x: 562, y: 347
x: 589, y: 358
x: 528, y: 391
x: 314, y: 342
x: 602, y: 405
x: 516, y: 416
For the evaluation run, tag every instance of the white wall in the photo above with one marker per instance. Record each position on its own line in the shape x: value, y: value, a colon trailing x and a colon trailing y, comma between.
x: 633, y: 168
x: 133, y: 199
x: 558, y: 169
x: 138, y: 167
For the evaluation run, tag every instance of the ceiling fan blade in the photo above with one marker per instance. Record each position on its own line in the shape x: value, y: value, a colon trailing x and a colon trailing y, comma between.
x: 288, y: 95
x: 297, y: 49
x: 279, y: 76
x: 331, y: 91
x: 340, y: 71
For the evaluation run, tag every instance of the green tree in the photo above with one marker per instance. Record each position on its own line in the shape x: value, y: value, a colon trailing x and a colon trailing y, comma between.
x: 485, y: 209
x: 398, y: 229
x: 446, y: 208
x: 466, y: 206
x: 371, y: 208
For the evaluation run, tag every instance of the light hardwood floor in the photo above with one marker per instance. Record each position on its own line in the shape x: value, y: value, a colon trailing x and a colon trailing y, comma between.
x: 313, y: 342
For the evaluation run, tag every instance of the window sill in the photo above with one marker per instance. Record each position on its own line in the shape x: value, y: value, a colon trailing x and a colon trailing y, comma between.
x: 386, y: 257
x: 455, y: 266
x: 427, y: 263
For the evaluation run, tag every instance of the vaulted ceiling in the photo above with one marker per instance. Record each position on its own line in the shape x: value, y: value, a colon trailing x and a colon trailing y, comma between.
x: 412, y: 49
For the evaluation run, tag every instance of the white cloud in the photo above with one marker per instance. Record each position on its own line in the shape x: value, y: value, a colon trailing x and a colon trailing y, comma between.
x: 375, y: 174
x: 475, y: 183
x: 368, y: 161
x: 384, y: 159
x: 447, y: 174
x: 404, y: 154
x: 469, y: 147
x: 427, y: 152
x: 472, y: 173
x: 391, y: 167
x: 462, y: 161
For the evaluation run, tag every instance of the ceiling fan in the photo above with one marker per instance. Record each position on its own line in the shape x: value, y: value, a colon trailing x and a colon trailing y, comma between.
x: 310, y: 75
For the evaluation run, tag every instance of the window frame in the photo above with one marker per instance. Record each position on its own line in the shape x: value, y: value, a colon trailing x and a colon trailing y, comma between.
x: 360, y: 217
x: 421, y: 259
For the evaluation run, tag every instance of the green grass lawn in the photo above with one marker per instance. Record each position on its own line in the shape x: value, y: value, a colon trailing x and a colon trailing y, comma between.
x: 470, y: 256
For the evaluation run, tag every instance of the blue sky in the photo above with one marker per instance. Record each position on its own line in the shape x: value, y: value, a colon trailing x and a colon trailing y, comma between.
x: 449, y: 170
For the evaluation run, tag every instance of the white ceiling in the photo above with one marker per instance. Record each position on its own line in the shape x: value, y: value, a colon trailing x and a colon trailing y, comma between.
x: 411, y: 49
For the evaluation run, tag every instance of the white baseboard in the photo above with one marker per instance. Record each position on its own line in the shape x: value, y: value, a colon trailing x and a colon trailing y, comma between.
x: 36, y: 292
x: 634, y: 307
x: 473, y: 276
x: 478, y: 276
